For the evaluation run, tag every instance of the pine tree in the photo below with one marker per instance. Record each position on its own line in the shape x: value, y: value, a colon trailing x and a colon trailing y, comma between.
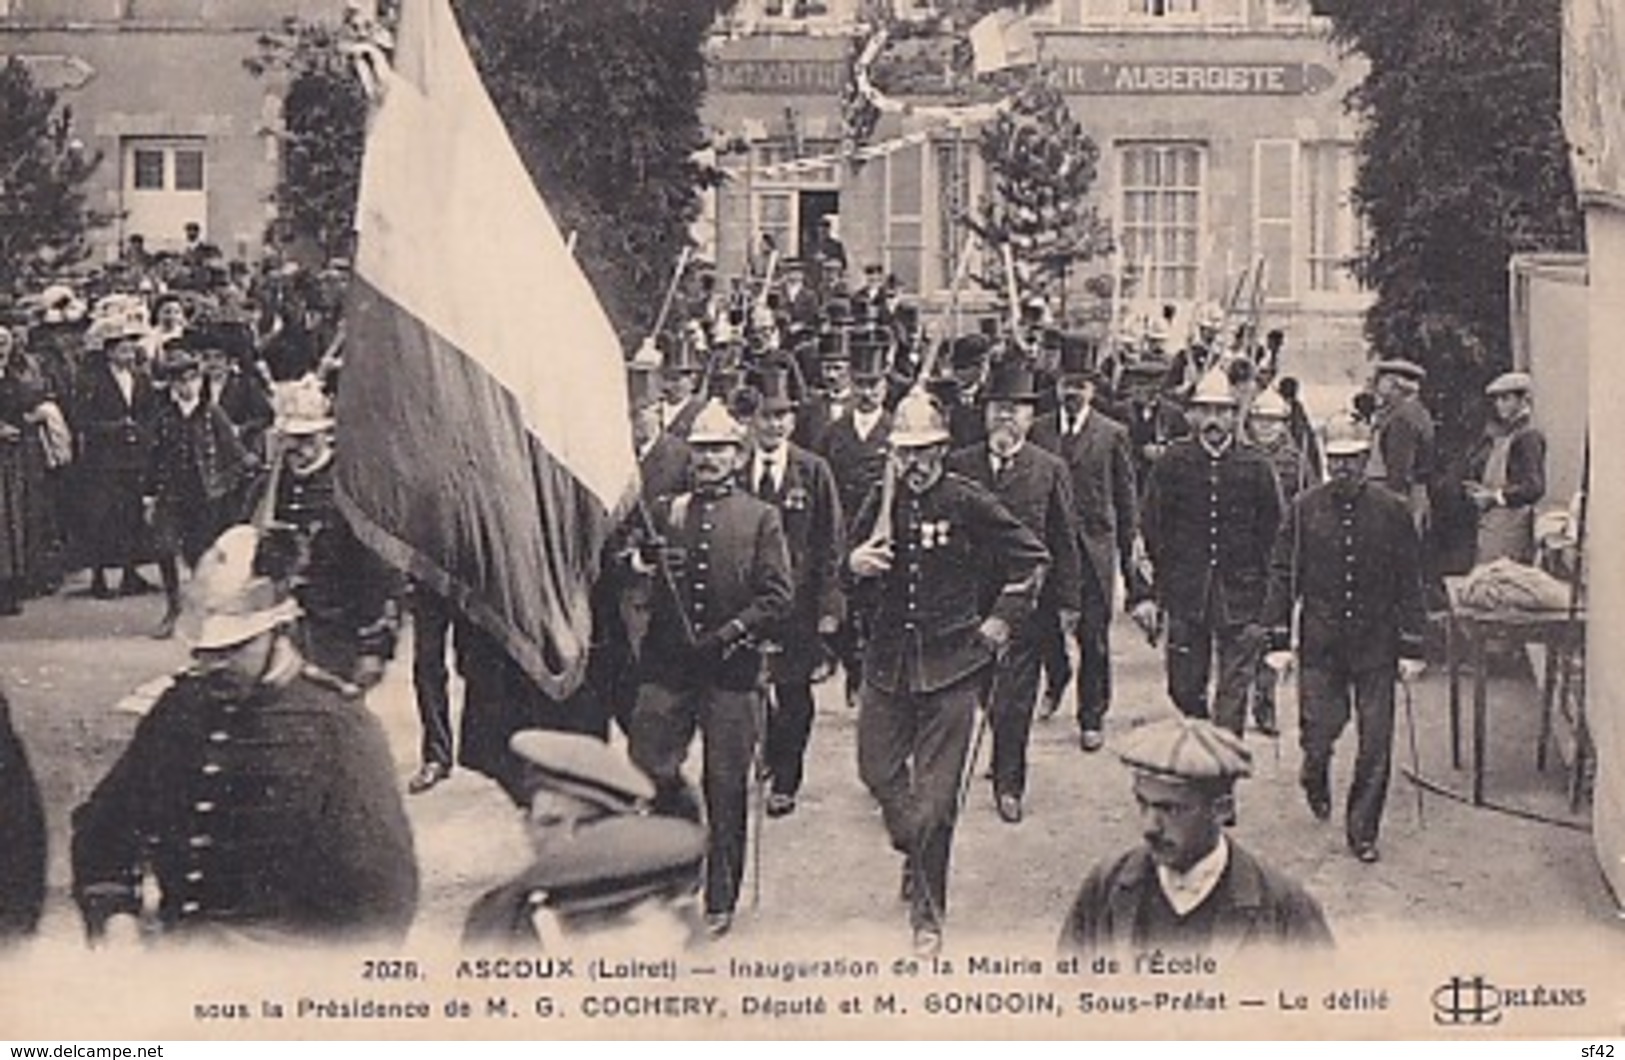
x: 44, y: 216
x: 1041, y: 165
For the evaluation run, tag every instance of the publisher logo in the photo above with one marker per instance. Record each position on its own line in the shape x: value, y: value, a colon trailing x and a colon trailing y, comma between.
x: 1464, y: 1002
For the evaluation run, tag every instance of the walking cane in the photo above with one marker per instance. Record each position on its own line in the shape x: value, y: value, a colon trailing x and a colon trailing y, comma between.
x: 1416, y: 758
x: 765, y: 706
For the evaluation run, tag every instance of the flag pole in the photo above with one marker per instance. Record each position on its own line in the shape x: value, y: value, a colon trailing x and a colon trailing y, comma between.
x: 671, y: 288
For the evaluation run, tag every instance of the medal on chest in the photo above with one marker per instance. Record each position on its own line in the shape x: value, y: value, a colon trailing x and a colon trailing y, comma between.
x: 934, y: 534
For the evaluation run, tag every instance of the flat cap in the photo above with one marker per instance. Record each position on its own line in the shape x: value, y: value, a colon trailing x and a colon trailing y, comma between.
x: 1510, y: 383
x: 1400, y: 367
x: 583, y: 767
x: 1189, y: 749
x: 618, y: 861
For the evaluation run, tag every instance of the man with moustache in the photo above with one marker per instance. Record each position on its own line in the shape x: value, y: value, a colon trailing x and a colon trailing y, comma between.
x: 952, y: 573
x: 1035, y: 486
x: 1190, y: 886
x: 723, y: 583
x: 1348, y: 553
x: 1209, y: 521
x: 855, y: 446
x: 1097, y: 452
x: 800, y: 485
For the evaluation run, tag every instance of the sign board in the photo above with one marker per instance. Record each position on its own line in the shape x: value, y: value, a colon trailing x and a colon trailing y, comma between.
x: 58, y: 73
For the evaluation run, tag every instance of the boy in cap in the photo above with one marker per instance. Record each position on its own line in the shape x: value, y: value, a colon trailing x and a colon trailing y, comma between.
x: 602, y: 863
x: 1189, y: 885
x: 1507, y: 472
x: 1348, y: 552
x: 259, y: 791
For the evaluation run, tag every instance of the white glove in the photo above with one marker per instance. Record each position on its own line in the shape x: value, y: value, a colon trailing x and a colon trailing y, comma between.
x: 870, y: 561
x: 1411, y: 669
x: 1279, y: 661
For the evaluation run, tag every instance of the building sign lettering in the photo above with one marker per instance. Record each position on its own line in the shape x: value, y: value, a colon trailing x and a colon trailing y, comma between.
x: 1089, y: 78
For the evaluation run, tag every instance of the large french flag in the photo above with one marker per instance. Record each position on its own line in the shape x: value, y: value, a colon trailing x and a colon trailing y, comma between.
x: 483, y: 440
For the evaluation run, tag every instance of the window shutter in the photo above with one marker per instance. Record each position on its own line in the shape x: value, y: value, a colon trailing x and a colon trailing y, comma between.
x: 1275, y: 164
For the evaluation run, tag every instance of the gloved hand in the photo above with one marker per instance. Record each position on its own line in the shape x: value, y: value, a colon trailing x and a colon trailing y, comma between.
x: 1279, y: 661
x: 870, y: 561
x: 723, y: 640
x: 828, y: 626
x: 995, y: 632
x: 369, y: 670
x: 1411, y: 669
x: 1148, y: 617
x: 1070, y: 617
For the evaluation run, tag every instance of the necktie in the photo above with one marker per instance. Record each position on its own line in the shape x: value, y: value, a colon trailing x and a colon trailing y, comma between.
x: 764, y: 485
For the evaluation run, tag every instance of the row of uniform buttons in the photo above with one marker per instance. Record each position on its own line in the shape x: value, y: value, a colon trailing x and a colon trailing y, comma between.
x: 201, y: 842
x: 913, y: 579
x: 1346, y: 520
x: 1213, y: 511
x: 702, y: 564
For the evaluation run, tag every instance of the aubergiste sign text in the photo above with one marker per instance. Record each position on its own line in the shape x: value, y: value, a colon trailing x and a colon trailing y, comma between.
x: 1090, y: 78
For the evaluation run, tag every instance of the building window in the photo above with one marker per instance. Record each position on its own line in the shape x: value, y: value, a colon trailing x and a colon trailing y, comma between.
x: 1161, y: 226
x: 776, y: 221
x: 1143, y: 12
x: 1335, y: 229
x: 1275, y: 203
x: 905, y: 221
x: 165, y: 188
x: 1289, y: 12
x: 806, y: 12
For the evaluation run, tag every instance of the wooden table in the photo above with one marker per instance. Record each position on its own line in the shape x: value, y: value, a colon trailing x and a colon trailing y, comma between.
x: 1562, y: 633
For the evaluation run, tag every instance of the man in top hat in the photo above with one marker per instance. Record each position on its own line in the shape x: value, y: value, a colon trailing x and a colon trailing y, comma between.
x: 259, y: 792
x: 348, y: 594
x: 1348, y: 554
x: 968, y: 361
x: 198, y: 475
x: 114, y: 404
x: 1035, y: 486
x: 951, y: 573
x: 680, y: 372
x: 855, y: 446
x: 604, y: 868
x: 1098, y: 457
x: 1507, y: 472
x: 799, y: 301
x: 1402, y: 452
x: 1189, y: 886
x: 834, y: 394
x: 1210, y: 516
x: 801, y: 486
x: 723, y: 586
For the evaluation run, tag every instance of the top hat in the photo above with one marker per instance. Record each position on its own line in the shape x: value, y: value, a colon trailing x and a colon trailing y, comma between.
x: 772, y: 382
x: 1080, y: 356
x: 676, y: 355
x: 869, y: 357
x: 1011, y: 380
x: 834, y: 344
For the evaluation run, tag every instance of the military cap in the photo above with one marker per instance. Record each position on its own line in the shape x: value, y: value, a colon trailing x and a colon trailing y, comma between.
x: 583, y: 767
x: 918, y: 422
x: 1346, y: 436
x: 1270, y: 405
x: 1186, y: 749
x: 1400, y: 367
x: 1510, y: 383
x: 616, y: 862
x: 1213, y: 389
x: 716, y: 425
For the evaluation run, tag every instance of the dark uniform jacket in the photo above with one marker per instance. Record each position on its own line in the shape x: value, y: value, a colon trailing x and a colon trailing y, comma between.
x: 1353, y: 558
x: 728, y: 561
x: 272, y: 809
x: 958, y: 557
x: 1036, y: 489
x: 810, y: 511
x: 664, y: 467
x: 115, y: 435
x: 857, y: 463
x: 22, y: 837
x: 1209, y: 524
x: 1103, y: 488
x: 345, y: 590
x: 817, y: 415
x: 1254, y: 907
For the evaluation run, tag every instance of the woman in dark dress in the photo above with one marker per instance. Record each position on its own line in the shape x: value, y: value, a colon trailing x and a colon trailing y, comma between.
x: 26, y: 540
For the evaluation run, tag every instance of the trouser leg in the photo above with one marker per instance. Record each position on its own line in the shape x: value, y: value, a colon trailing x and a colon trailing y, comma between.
x: 1239, y: 658
x: 1010, y: 707
x: 1094, y: 654
x: 789, y: 728
x: 431, y: 622
x: 1189, y: 659
x: 886, y: 730
x: 1323, y: 707
x: 663, y: 723
x: 728, y: 720
x: 1057, y: 665
x: 941, y: 743
x: 1264, y: 679
x: 1374, y: 727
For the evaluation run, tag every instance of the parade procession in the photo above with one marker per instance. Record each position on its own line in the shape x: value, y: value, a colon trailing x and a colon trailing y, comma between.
x: 396, y: 591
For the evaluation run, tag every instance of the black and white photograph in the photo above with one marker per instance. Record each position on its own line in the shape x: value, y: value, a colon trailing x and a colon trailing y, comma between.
x: 811, y: 519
